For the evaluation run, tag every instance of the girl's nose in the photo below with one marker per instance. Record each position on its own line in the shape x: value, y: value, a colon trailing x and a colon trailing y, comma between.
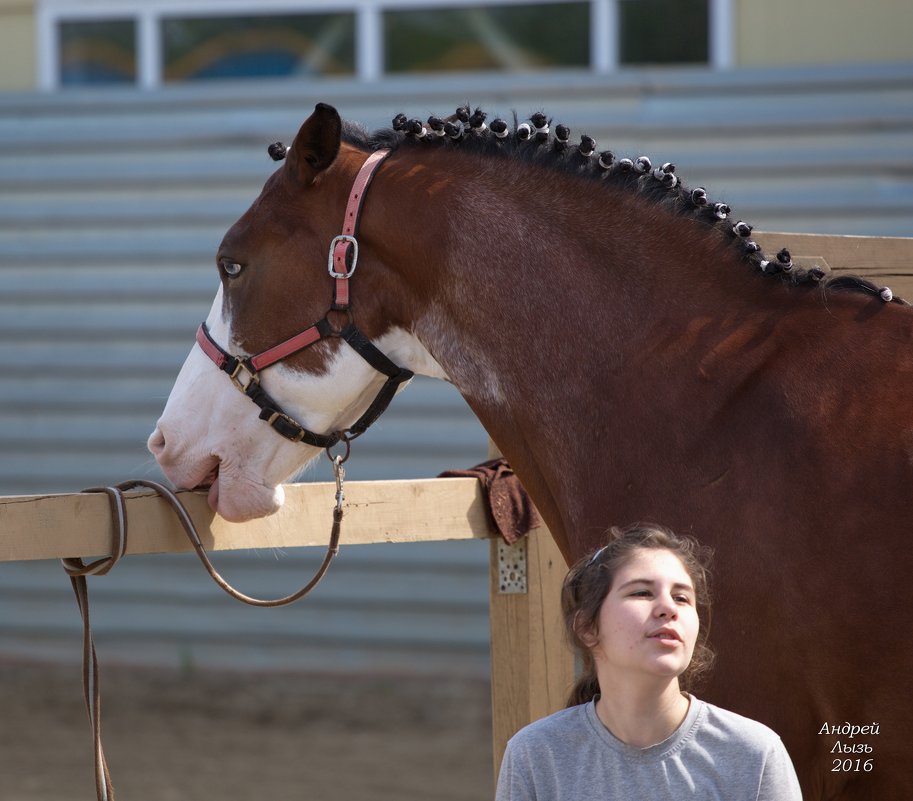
x: 666, y: 607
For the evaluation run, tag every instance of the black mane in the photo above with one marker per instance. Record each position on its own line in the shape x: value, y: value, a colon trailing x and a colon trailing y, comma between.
x: 537, y: 141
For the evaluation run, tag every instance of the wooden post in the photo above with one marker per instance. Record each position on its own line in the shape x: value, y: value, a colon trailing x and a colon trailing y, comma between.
x: 532, y: 669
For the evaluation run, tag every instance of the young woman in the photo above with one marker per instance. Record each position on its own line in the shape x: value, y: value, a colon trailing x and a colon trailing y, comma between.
x: 633, y: 612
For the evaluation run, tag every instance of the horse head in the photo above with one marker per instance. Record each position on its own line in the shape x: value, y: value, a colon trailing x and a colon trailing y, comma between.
x: 281, y: 333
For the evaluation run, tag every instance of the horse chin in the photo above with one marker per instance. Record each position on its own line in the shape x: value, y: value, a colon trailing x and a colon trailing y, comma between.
x: 240, y: 501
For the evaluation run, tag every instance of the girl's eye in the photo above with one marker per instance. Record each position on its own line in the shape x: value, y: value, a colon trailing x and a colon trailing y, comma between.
x: 231, y: 268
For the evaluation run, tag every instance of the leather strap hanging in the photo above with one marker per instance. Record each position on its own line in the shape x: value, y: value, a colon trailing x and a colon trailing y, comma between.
x: 77, y: 570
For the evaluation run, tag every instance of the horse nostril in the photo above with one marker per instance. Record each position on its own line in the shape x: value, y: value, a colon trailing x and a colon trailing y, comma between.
x: 156, y: 442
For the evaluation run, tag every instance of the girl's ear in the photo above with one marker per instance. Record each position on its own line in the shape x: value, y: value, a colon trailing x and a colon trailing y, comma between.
x: 585, y: 633
x: 316, y: 145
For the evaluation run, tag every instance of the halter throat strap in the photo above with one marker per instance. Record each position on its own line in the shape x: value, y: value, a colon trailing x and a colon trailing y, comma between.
x: 245, y: 371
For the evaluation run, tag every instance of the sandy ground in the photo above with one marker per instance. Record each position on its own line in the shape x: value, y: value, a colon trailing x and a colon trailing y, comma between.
x: 170, y: 736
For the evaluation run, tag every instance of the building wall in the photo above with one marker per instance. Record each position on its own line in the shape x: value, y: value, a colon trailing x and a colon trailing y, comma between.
x: 18, y: 59
x: 780, y: 32
x: 772, y: 33
x: 112, y: 205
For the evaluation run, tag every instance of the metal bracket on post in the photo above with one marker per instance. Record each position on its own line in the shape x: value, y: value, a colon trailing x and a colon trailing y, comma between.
x: 512, y: 567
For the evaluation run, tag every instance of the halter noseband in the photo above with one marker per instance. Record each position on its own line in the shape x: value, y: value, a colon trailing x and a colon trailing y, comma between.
x: 341, y: 264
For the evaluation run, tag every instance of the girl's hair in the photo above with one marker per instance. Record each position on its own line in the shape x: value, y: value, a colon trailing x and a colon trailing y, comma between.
x: 588, y: 583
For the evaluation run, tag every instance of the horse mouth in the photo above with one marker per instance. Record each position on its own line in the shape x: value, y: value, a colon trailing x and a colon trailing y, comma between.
x: 210, y: 482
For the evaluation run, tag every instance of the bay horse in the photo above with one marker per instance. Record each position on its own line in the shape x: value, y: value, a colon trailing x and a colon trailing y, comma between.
x: 632, y: 353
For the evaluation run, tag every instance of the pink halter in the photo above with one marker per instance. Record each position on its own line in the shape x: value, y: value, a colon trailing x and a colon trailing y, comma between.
x: 341, y: 264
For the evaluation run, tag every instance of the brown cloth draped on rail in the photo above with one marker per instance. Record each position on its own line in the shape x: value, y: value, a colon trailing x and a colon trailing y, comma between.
x: 511, y: 508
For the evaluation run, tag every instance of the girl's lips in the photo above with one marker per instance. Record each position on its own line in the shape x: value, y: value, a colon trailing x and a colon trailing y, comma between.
x: 665, y: 635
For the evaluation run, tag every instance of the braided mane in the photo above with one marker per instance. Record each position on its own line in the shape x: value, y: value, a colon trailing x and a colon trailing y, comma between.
x: 535, y: 141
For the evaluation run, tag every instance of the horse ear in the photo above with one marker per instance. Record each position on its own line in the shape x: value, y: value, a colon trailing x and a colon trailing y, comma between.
x: 317, y: 143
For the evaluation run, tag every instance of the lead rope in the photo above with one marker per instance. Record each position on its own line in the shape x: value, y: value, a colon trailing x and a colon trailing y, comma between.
x: 77, y: 570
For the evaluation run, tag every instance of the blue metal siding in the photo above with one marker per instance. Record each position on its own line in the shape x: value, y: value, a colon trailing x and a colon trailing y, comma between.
x: 111, y: 208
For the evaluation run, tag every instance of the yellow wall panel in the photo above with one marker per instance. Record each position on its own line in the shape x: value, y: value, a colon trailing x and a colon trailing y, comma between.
x: 18, y: 60
x: 822, y: 32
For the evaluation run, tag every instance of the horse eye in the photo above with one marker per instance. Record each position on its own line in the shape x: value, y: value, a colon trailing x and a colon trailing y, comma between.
x: 231, y: 268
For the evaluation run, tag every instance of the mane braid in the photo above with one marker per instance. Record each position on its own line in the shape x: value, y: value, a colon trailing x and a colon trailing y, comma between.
x: 536, y: 141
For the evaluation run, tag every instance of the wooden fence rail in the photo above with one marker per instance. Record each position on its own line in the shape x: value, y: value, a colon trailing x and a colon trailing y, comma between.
x: 54, y: 526
x: 529, y: 675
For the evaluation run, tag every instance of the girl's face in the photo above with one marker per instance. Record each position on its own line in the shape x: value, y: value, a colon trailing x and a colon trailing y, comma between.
x: 648, y: 622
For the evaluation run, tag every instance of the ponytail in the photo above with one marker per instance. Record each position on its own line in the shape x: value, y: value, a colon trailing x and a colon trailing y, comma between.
x: 585, y: 689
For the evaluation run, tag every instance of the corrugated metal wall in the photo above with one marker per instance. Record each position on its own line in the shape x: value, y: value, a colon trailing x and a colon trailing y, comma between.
x: 111, y: 207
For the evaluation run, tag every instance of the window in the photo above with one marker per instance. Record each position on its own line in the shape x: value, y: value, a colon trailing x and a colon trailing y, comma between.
x: 509, y: 38
x: 663, y: 32
x: 257, y: 46
x: 97, y: 52
x: 174, y: 41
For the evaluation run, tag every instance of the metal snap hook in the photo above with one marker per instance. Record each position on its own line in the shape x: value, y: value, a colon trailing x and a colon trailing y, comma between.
x: 340, y: 473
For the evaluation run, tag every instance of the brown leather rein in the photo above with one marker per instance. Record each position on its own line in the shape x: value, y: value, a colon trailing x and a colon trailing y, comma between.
x: 78, y: 571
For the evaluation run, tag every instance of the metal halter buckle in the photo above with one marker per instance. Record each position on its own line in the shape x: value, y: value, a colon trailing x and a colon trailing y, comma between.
x: 299, y: 436
x: 337, y: 240
x: 236, y: 376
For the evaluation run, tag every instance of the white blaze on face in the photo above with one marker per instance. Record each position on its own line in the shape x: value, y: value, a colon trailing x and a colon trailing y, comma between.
x: 210, y: 433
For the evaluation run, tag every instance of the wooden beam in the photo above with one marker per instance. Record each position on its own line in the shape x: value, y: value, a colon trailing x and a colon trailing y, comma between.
x: 863, y: 255
x: 55, y: 526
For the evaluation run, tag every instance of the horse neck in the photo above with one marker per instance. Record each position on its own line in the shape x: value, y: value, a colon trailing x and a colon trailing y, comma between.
x: 531, y: 300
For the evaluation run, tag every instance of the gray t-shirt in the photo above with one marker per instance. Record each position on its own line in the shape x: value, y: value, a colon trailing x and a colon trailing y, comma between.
x: 714, y: 754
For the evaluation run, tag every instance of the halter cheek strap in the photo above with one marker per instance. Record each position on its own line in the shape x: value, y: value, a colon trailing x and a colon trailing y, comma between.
x: 245, y: 371
x: 343, y: 257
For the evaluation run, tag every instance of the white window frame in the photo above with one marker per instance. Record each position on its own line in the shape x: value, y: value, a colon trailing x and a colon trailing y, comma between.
x: 368, y: 29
